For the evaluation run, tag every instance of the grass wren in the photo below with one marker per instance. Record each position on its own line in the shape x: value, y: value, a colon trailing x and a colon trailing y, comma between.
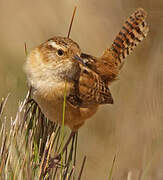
x: 60, y: 60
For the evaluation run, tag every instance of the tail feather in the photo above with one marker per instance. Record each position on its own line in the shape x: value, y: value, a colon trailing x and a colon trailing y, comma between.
x: 134, y: 30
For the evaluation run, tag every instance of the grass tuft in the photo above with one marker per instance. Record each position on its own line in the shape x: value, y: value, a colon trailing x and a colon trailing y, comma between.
x: 29, y: 148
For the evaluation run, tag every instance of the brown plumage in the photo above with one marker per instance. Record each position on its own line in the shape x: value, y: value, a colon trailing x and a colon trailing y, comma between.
x: 60, y: 60
x: 133, y: 31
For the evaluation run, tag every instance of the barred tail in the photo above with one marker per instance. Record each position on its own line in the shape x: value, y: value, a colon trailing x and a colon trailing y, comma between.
x: 134, y: 30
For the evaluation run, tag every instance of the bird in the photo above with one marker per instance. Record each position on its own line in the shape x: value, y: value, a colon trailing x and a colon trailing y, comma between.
x: 58, y: 67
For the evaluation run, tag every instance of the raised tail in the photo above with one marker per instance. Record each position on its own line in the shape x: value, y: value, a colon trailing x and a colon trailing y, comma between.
x: 108, y: 66
x: 134, y: 30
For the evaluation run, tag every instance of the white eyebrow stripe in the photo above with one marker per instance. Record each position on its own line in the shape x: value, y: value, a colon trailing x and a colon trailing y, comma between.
x: 54, y: 45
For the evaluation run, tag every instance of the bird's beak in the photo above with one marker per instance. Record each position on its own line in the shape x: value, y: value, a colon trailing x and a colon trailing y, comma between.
x: 76, y: 57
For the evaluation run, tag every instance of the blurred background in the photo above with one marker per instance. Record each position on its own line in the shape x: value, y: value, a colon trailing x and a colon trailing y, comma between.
x: 132, y: 128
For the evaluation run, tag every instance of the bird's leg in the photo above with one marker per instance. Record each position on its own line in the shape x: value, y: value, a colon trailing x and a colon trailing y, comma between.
x: 56, y: 161
x: 58, y: 157
x: 72, y: 135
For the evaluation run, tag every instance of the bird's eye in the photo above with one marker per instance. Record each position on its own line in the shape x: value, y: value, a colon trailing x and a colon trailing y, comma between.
x: 60, y: 52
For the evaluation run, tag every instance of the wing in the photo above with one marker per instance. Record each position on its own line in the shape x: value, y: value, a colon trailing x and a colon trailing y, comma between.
x: 91, y: 90
x: 106, y: 68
